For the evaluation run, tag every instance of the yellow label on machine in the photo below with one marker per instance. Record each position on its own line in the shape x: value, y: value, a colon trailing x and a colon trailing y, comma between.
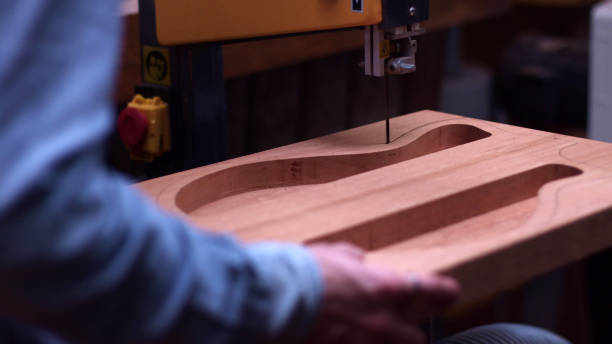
x: 156, y: 65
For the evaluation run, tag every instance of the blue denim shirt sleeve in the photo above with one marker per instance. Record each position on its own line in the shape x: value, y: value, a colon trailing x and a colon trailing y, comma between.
x: 84, y: 255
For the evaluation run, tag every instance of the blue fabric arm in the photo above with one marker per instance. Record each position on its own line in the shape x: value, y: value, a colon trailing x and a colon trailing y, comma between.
x: 83, y: 254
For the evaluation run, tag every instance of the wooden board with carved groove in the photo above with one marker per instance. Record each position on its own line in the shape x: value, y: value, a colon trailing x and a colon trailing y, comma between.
x: 488, y: 203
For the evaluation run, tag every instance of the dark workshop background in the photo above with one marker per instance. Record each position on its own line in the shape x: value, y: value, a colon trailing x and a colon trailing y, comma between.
x: 525, y: 64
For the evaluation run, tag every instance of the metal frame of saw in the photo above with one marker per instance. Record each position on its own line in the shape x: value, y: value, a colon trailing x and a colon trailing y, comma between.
x: 190, y: 33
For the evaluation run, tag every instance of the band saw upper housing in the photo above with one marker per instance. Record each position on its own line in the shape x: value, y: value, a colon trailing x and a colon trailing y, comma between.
x: 196, y: 21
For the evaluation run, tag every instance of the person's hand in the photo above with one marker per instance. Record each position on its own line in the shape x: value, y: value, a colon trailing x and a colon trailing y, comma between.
x: 366, y: 304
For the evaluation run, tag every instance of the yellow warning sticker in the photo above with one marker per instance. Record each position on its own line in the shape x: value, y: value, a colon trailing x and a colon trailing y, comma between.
x: 156, y: 65
x: 384, y: 49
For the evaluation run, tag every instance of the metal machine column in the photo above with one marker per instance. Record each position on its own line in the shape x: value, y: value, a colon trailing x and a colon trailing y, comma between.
x: 190, y: 79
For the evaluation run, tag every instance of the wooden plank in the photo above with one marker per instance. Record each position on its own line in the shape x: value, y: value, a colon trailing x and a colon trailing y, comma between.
x: 491, y: 204
x: 250, y: 57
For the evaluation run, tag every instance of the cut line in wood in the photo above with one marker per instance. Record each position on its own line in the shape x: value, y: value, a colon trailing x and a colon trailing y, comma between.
x: 317, y: 170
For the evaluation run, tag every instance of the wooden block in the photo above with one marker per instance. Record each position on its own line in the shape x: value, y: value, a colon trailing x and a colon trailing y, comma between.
x: 488, y: 203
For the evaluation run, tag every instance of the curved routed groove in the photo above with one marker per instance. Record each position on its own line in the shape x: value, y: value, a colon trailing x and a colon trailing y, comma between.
x: 452, y: 209
x: 317, y: 170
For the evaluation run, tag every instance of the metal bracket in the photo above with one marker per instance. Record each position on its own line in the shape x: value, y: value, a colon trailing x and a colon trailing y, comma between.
x: 391, y: 51
x: 404, y: 12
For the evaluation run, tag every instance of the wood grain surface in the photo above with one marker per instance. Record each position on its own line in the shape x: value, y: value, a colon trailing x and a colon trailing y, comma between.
x: 491, y: 204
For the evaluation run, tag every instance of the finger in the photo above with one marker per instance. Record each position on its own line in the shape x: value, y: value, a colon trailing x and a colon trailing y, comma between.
x: 350, y: 250
x: 377, y: 288
x: 440, y: 291
x: 383, y: 288
x: 413, y: 296
x: 428, y: 295
x: 433, y: 284
x: 419, y: 284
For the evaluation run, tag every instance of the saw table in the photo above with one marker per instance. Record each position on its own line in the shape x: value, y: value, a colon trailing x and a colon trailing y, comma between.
x: 490, y: 204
